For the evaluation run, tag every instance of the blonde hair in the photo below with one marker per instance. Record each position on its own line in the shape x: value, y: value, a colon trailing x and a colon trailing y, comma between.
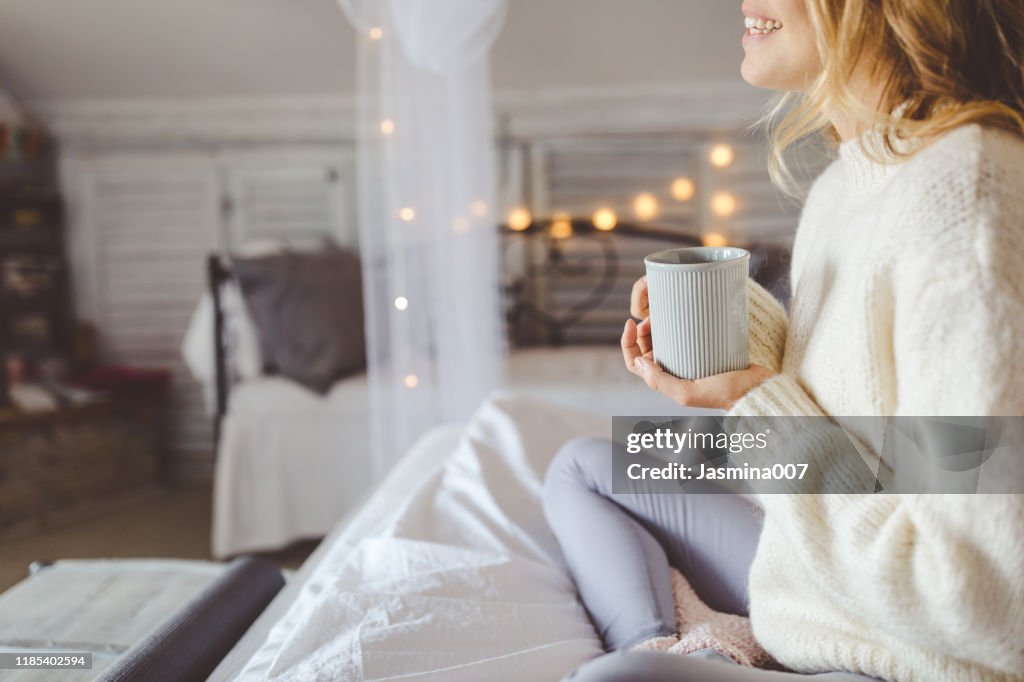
x: 940, y: 64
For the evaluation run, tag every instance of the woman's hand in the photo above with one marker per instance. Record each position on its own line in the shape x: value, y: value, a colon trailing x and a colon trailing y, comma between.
x: 721, y: 391
x: 638, y: 306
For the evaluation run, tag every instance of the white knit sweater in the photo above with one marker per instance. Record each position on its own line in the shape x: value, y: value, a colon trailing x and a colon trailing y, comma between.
x: 908, y: 285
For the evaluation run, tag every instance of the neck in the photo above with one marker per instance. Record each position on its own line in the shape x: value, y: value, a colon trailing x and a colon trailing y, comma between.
x: 848, y: 125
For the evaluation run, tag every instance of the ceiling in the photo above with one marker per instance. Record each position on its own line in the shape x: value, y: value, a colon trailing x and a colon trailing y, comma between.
x: 96, y: 49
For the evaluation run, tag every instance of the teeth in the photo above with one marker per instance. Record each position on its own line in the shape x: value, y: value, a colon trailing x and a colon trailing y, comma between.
x: 761, y: 25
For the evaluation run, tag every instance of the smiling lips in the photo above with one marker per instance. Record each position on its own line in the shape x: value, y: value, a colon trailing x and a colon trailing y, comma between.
x: 760, y: 25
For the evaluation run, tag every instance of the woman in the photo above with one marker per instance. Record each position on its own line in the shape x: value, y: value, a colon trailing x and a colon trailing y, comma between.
x: 908, y: 300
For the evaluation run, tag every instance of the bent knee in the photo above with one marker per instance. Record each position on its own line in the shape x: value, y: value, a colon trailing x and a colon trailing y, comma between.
x: 577, y: 460
x: 582, y: 463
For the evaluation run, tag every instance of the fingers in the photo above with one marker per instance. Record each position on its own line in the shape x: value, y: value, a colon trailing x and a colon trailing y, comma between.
x: 643, y: 336
x: 630, y: 347
x: 638, y: 307
x: 720, y: 391
x: 661, y: 381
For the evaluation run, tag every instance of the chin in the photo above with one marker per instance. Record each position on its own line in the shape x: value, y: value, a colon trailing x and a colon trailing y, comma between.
x: 756, y: 76
x: 763, y: 73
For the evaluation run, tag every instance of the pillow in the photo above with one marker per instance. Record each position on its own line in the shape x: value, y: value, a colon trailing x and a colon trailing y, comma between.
x: 308, y: 310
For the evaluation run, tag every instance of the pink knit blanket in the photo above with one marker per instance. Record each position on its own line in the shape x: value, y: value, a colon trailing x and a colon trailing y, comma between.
x: 702, y: 628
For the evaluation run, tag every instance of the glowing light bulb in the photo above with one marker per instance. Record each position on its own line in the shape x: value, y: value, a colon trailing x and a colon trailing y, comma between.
x: 605, y: 219
x: 561, y: 226
x: 478, y: 208
x: 387, y: 126
x: 715, y: 239
x: 723, y: 204
x: 519, y: 219
x: 460, y: 225
x: 645, y: 206
x: 721, y: 156
x: 411, y: 381
x: 683, y: 189
x: 401, y: 303
x: 376, y: 33
x: 407, y: 214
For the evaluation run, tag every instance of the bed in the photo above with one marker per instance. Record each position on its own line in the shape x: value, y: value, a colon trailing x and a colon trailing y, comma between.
x: 565, y: 301
x: 448, y: 571
x: 275, y: 433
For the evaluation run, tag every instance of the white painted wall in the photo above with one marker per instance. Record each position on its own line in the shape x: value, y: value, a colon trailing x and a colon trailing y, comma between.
x: 71, y: 49
x: 98, y: 49
x: 548, y: 44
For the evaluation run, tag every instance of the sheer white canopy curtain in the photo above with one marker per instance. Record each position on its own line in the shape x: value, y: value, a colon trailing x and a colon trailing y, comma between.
x: 428, y: 236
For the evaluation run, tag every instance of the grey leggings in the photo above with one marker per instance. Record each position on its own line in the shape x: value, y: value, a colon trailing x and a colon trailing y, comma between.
x: 619, y: 547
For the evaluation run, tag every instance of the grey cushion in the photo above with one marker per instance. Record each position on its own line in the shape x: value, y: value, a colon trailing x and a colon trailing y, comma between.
x: 308, y: 311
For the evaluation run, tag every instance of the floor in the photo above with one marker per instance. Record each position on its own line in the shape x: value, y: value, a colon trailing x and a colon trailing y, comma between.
x: 169, y: 523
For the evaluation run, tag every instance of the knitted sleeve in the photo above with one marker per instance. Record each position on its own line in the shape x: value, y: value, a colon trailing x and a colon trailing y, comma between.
x: 781, y: 395
x: 767, y: 328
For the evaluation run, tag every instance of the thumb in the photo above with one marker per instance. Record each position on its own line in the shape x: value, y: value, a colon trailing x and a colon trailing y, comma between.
x: 661, y: 381
x: 651, y: 372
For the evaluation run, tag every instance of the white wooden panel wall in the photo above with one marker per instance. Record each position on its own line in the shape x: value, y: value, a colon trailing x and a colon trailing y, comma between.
x: 151, y: 227
x: 296, y: 198
x: 144, y: 225
x: 580, y: 174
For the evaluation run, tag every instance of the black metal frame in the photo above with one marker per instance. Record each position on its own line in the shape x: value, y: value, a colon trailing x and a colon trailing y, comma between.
x: 557, y: 263
x: 218, y: 272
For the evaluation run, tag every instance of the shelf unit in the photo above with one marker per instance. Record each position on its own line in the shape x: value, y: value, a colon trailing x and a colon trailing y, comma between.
x: 36, y: 322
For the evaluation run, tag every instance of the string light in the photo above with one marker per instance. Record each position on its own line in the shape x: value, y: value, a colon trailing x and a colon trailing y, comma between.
x: 407, y: 214
x: 723, y: 204
x: 683, y: 189
x: 387, y: 126
x: 645, y: 206
x: 376, y: 33
x: 401, y: 303
x: 460, y: 225
x: 478, y: 208
x: 721, y: 156
x: 519, y: 219
x: 605, y: 219
x: 715, y: 239
x: 411, y: 381
x: 561, y: 226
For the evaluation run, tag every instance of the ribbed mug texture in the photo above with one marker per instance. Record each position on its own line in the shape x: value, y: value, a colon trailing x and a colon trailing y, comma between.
x: 698, y: 307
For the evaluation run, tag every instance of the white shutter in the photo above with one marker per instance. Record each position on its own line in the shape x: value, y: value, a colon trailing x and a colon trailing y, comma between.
x: 294, y: 199
x: 152, y: 226
x: 580, y: 174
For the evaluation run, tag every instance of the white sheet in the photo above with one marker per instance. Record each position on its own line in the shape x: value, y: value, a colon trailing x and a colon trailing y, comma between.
x: 291, y: 463
x: 464, y: 581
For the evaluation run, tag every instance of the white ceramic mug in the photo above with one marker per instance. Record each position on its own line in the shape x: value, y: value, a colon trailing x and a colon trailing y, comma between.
x: 698, y: 307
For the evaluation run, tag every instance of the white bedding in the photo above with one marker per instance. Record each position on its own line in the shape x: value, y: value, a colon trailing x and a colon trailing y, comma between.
x: 291, y: 463
x: 462, y: 581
